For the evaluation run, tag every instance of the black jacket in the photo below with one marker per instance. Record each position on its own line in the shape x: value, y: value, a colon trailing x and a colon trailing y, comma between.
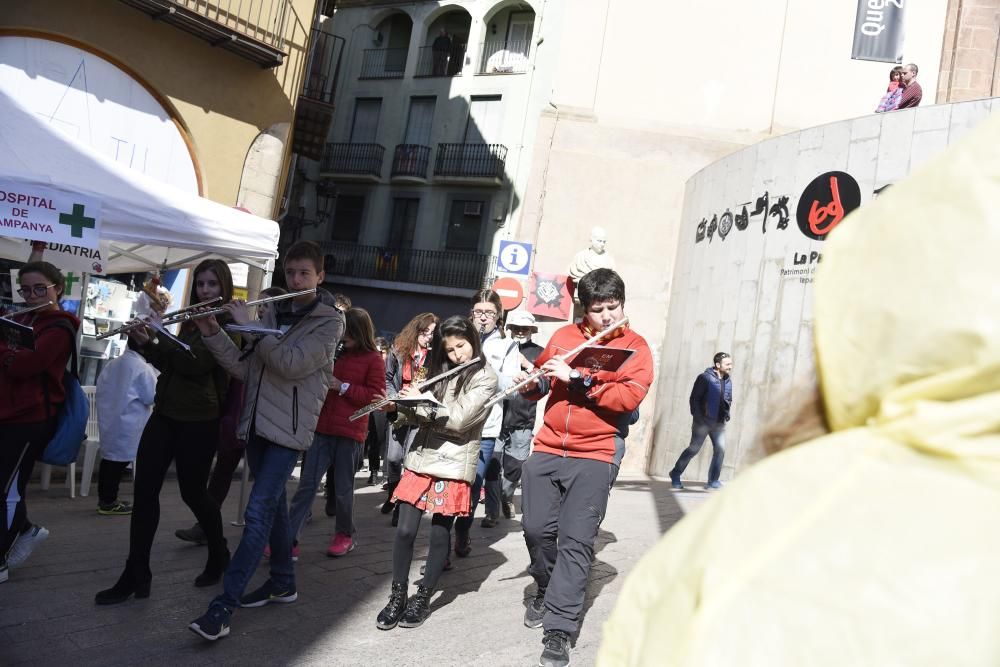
x: 519, y: 412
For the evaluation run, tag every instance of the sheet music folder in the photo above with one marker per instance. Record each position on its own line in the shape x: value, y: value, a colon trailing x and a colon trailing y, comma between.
x: 597, y: 358
x: 17, y: 335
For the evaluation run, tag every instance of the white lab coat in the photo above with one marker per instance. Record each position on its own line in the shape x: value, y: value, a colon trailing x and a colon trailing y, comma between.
x: 125, y: 391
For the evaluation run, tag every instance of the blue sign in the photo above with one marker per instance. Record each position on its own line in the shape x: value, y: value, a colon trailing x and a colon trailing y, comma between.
x: 514, y: 257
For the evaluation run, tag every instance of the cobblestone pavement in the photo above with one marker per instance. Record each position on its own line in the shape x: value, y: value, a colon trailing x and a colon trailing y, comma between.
x: 48, y: 616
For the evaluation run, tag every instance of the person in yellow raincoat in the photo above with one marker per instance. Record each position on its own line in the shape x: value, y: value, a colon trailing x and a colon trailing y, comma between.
x: 877, y: 543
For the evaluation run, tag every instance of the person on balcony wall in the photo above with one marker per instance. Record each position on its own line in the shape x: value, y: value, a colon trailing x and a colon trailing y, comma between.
x: 505, y: 359
x: 31, y: 391
x: 912, y: 92
x: 440, y: 466
x: 441, y: 51
x: 405, y: 365
x: 890, y: 101
x: 184, y: 430
x: 358, y: 375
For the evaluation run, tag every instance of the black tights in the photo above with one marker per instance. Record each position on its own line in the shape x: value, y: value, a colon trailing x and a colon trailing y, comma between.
x: 406, y: 533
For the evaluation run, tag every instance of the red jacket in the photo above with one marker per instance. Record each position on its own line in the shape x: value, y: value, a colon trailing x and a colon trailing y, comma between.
x: 583, y: 424
x: 22, y: 398
x: 365, y: 372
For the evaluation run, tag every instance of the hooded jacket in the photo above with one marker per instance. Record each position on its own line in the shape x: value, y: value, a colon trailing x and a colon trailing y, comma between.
x: 285, y: 380
x: 25, y: 375
x: 873, y: 545
x: 711, y: 397
x: 364, y: 371
x: 584, y: 424
x: 447, y: 444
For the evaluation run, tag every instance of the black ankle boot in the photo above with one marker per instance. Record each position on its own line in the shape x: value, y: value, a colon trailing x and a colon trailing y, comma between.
x: 134, y: 581
x: 218, y: 561
x: 418, y: 608
x: 388, y: 504
x: 389, y: 616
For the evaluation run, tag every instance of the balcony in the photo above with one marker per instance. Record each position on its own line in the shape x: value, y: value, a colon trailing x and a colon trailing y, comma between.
x: 314, y: 111
x: 441, y: 63
x: 410, y: 162
x: 505, y: 56
x: 440, y: 268
x: 383, y: 64
x: 470, y: 164
x: 253, y: 29
x: 357, y: 162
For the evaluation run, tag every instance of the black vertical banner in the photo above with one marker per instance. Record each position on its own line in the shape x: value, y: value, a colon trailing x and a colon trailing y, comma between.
x: 878, y: 31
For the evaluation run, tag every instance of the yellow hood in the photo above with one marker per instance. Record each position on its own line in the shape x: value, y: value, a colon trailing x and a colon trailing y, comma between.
x: 907, y: 307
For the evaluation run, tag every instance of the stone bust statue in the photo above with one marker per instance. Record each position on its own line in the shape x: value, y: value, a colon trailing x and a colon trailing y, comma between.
x: 593, y: 257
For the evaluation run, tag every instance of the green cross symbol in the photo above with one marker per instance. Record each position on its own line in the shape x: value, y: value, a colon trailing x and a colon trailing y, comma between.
x: 70, y: 278
x: 77, y: 221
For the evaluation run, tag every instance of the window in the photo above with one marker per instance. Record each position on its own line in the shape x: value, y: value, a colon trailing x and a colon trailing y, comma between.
x: 465, y: 224
x: 420, y: 121
x: 485, y: 115
x: 347, y: 218
x: 403, y: 223
x: 364, y: 129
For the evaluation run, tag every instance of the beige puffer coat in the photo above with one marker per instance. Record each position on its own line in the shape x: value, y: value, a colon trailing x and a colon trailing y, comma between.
x: 285, y: 380
x: 447, y: 444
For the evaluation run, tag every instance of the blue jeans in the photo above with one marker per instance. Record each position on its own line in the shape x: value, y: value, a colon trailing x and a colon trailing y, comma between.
x: 486, y: 445
x: 716, y: 431
x: 345, y: 454
x: 266, y: 522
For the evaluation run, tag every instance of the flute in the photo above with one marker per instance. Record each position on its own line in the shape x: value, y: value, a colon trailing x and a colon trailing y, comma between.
x: 136, y: 323
x: 26, y: 310
x: 184, y: 317
x: 372, y: 407
x: 562, y: 357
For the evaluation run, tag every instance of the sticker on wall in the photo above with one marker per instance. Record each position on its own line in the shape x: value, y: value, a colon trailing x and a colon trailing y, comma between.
x: 549, y: 296
x: 824, y: 203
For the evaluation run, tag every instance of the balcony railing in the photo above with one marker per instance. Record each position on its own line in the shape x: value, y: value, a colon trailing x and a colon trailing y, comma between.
x: 383, y: 64
x: 471, y: 160
x: 411, y: 160
x: 254, y: 29
x: 505, y: 56
x: 441, y: 268
x: 324, y: 69
x: 441, y: 63
x: 353, y: 159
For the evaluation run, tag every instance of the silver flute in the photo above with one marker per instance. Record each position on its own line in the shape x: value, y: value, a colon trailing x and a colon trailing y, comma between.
x: 378, y: 405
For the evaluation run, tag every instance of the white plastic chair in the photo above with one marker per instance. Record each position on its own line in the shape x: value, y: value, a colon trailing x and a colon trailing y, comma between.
x: 90, y: 445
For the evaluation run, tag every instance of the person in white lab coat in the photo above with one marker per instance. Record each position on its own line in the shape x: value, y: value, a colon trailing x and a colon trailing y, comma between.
x: 125, y: 391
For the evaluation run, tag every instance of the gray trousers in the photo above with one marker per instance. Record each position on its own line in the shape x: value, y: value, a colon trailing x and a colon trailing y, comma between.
x: 398, y: 441
x: 512, y: 450
x: 563, y: 503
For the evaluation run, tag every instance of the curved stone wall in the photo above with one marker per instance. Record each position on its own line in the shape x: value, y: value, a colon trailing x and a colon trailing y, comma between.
x: 751, y: 237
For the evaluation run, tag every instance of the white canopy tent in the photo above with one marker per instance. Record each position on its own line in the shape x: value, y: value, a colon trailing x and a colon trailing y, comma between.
x: 145, y: 225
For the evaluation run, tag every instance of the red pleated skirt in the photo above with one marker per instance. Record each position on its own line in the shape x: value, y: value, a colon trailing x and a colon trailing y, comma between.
x: 438, y: 496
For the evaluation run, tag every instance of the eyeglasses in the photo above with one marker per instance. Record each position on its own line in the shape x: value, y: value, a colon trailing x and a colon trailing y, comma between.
x: 426, y: 333
x: 37, y: 290
x: 491, y: 314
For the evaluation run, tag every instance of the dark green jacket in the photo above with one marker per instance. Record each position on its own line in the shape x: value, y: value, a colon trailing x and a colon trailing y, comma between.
x: 189, y: 388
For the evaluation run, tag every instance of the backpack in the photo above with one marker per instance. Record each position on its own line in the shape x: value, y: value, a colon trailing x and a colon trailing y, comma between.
x: 71, y: 420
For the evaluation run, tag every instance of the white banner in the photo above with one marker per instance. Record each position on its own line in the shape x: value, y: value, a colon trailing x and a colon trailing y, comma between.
x: 46, y: 214
x: 64, y: 257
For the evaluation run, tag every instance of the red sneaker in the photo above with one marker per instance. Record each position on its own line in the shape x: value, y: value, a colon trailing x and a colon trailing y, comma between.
x: 340, y: 545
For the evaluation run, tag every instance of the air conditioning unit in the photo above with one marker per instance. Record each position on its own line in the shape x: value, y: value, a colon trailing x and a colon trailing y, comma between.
x: 473, y: 209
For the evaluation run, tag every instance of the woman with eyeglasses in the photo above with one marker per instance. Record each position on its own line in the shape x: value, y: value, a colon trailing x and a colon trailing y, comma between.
x: 31, y: 392
x: 184, y: 430
x: 504, y: 357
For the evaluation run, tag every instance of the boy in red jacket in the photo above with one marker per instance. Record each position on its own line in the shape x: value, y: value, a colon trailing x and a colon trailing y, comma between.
x: 566, y: 481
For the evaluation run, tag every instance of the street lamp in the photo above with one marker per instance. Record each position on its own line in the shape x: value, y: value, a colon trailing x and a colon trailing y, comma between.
x: 326, y: 197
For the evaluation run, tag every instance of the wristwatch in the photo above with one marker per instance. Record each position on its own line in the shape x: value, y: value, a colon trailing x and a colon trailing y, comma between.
x: 575, y: 376
x: 344, y: 386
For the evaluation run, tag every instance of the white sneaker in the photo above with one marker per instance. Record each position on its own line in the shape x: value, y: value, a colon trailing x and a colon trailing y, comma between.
x: 25, y: 544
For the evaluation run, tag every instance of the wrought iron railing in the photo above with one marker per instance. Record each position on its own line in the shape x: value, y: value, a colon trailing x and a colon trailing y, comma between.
x: 441, y: 63
x: 324, y: 66
x: 411, y: 160
x: 504, y: 56
x: 358, y: 159
x: 470, y: 160
x: 441, y: 268
x: 262, y: 20
x: 383, y: 64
